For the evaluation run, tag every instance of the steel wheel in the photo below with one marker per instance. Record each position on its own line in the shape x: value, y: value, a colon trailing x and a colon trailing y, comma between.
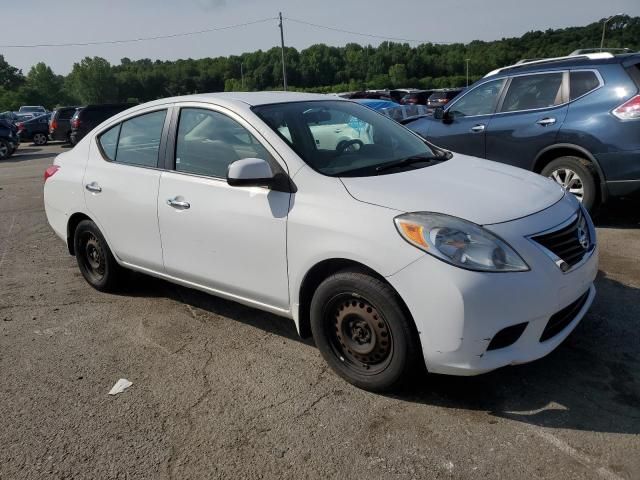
x: 93, y: 256
x: 359, y: 335
x: 39, y: 139
x: 570, y: 181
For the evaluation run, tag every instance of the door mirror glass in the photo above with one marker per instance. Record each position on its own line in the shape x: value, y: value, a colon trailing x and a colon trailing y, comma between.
x: 250, y: 172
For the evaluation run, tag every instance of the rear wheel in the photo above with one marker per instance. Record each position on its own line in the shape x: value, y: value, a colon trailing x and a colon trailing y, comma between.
x: 95, y: 260
x: 575, y: 177
x: 40, y: 139
x: 362, y: 331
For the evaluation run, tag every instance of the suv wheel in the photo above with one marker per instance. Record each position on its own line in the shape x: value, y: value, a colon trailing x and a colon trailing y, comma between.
x: 5, y: 149
x: 95, y: 260
x: 40, y: 139
x: 362, y: 331
x: 575, y: 177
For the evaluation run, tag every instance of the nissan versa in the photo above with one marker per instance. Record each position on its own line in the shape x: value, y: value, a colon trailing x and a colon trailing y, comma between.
x: 388, y: 250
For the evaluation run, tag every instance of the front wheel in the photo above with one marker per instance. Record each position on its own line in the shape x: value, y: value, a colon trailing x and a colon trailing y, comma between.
x: 95, y: 260
x: 575, y: 177
x: 40, y: 139
x: 5, y: 149
x: 362, y: 331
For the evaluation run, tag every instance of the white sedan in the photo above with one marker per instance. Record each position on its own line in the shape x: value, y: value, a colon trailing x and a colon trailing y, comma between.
x: 391, y: 252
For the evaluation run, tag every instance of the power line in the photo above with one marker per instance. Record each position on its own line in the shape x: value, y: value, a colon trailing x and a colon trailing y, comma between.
x: 371, y: 35
x: 141, y: 39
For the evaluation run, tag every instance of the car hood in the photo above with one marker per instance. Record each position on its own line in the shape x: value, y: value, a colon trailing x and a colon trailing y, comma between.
x: 481, y: 191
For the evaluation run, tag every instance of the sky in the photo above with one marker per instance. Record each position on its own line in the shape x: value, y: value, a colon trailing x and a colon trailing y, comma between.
x: 74, y: 21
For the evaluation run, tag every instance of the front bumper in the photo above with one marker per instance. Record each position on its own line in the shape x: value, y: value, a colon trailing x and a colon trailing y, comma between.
x: 458, y: 312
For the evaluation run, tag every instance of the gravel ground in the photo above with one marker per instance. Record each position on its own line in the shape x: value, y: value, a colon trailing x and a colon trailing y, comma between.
x: 221, y: 390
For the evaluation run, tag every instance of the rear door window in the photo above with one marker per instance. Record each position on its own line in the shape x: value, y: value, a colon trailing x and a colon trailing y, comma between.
x: 581, y: 83
x: 529, y: 92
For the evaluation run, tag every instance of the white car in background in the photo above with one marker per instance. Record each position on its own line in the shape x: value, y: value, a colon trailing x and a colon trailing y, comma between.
x: 390, y: 251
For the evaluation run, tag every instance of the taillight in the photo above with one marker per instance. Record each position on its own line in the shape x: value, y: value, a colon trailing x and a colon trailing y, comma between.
x: 53, y: 125
x: 75, y: 122
x: 629, y: 110
x: 20, y: 126
x: 50, y: 171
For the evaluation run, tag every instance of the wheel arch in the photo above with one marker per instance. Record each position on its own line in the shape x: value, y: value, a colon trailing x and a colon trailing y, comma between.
x: 550, y: 153
x: 322, y: 270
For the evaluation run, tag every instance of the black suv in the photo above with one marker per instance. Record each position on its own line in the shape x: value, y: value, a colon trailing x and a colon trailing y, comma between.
x: 9, y: 139
x: 575, y: 119
x: 87, y: 118
x: 60, y: 125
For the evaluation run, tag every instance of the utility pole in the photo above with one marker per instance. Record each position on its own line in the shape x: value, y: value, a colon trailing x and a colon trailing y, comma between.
x: 468, y: 72
x: 284, y: 67
x: 604, y: 27
x: 241, y: 76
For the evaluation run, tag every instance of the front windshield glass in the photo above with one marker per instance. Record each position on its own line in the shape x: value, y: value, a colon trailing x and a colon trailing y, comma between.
x: 340, y: 138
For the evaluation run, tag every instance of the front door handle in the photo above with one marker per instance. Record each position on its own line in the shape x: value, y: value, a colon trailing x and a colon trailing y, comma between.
x: 93, y: 187
x: 478, y: 128
x: 546, y: 121
x: 177, y: 203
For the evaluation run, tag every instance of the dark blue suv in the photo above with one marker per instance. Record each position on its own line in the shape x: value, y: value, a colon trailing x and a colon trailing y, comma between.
x: 575, y: 119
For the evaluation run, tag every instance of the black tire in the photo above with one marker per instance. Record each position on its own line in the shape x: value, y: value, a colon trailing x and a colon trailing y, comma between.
x: 584, y: 172
x: 94, y: 257
x: 5, y: 150
x: 351, y: 307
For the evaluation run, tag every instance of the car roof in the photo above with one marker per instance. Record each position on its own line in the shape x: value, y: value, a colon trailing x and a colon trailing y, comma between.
x: 244, y: 99
x: 544, y: 64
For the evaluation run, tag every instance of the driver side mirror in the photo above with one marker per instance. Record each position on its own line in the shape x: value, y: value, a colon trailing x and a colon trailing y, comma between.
x: 250, y: 172
x: 441, y: 114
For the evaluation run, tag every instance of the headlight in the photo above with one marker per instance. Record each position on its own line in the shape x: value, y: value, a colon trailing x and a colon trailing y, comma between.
x: 459, y: 242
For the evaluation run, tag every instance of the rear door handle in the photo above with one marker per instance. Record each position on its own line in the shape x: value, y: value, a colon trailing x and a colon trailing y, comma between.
x: 179, y: 204
x: 546, y: 121
x: 478, y: 128
x: 93, y: 187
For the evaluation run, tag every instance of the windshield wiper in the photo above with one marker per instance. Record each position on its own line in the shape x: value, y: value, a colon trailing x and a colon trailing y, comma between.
x: 408, y: 161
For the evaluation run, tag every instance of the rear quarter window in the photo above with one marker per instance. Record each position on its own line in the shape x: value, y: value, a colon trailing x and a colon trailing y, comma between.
x: 581, y: 83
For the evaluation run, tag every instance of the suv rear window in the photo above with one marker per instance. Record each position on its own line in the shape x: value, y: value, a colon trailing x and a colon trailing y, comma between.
x: 581, y: 83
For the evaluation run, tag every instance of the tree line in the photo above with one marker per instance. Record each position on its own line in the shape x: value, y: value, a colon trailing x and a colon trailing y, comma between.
x: 319, y: 68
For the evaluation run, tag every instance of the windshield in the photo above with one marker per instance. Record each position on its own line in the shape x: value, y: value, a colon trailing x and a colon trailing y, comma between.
x: 340, y: 138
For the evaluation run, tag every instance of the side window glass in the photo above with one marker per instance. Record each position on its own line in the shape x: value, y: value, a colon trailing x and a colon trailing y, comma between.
x: 139, y: 140
x: 529, y: 92
x: 109, y: 142
x: 209, y: 141
x: 479, y: 101
x: 581, y: 83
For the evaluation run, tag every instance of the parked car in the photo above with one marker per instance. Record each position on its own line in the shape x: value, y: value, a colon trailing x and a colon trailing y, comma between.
x: 87, y: 118
x: 36, y: 130
x: 574, y: 119
x: 418, y: 97
x: 9, y: 140
x: 35, y: 109
x: 390, y: 251
x: 440, y: 98
x: 10, y: 116
x: 60, y: 124
x: 371, y: 94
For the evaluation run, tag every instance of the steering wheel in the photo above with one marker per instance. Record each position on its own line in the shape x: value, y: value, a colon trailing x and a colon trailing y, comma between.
x: 344, y: 144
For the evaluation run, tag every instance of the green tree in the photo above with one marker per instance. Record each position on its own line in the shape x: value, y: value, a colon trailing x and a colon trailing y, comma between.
x: 93, y: 81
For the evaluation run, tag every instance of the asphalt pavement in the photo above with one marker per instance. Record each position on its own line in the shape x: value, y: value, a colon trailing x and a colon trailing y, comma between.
x: 225, y: 391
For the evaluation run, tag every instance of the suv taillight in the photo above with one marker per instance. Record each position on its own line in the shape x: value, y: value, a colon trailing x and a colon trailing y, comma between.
x: 75, y: 122
x: 50, y: 172
x: 53, y: 126
x: 629, y: 110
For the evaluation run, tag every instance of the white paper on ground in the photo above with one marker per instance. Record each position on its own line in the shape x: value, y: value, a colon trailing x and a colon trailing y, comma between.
x: 120, y: 386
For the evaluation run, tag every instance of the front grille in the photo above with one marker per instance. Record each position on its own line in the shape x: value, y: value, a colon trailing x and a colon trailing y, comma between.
x: 570, y: 243
x: 564, y: 317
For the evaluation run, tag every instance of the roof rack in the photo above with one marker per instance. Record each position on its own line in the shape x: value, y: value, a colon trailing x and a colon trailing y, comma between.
x: 527, y: 62
x: 583, y: 51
